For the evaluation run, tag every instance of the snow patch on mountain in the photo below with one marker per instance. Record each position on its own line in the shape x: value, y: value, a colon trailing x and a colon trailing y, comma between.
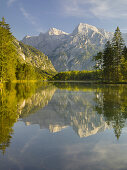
x: 54, y: 31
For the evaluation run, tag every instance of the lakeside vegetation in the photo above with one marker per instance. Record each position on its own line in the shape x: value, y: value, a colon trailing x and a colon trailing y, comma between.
x: 77, y: 76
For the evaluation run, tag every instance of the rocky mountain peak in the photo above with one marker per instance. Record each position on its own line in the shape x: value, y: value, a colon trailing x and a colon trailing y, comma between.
x: 27, y: 36
x: 85, y: 28
x: 54, y: 31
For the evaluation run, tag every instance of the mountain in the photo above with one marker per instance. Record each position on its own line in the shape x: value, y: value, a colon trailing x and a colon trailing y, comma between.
x: 36, y: 58
x: 47, y: 41
x: 72, y: 51
x: 32, y: 56
x: 54, y: 31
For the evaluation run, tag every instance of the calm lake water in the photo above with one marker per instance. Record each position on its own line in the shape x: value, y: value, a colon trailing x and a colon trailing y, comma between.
x: 63, y: 126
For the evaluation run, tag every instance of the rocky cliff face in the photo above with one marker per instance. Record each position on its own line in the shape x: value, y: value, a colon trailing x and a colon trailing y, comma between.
x: 71, y: 51
x: 34, y: 57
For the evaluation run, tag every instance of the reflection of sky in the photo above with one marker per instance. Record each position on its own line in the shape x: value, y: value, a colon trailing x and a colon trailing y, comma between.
x: 33, y: 148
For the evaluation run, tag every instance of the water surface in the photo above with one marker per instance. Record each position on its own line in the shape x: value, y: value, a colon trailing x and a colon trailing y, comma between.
x: 63, y: 126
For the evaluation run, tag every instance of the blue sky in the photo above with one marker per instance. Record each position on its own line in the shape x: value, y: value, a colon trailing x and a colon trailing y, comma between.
x: 29, y: 17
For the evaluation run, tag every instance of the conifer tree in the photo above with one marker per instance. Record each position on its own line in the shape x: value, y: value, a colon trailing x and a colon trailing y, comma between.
x: 8, y: 53
x: 118, y: 45
x: 108, y: 62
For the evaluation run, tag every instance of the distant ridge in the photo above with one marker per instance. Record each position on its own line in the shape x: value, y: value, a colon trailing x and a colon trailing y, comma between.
x: 72, y: 51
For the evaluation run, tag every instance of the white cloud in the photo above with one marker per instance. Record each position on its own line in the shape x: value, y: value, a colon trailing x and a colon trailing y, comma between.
x: 75, y: 8
x: 10, y: 2
x: 31, y: 19
x: 28, y: 16
x: 97, y: 8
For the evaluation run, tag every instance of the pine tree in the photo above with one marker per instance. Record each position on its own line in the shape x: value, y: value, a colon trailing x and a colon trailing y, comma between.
x: 108, y: 62
x: 118, y: 45
x: 8, y: 53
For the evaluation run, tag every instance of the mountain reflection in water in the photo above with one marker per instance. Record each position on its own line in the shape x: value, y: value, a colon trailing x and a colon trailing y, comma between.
x: 88, y: 109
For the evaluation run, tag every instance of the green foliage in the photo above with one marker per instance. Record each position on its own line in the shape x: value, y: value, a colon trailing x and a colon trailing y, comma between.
x: 77, y: 75
x: 107, y: 64
x: 117, y: 45
x: 8, y: 53
x: 25, y: 72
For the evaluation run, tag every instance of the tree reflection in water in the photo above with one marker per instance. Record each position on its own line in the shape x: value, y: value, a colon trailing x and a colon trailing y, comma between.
x: 111, y: 101
x: 13, y: 98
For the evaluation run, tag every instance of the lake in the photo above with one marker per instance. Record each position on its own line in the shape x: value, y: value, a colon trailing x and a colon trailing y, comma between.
x: 63, y: 126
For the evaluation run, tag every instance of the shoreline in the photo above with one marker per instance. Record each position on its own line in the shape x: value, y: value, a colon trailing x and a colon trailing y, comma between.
x: 66, y: 81
x: 85, y: 82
